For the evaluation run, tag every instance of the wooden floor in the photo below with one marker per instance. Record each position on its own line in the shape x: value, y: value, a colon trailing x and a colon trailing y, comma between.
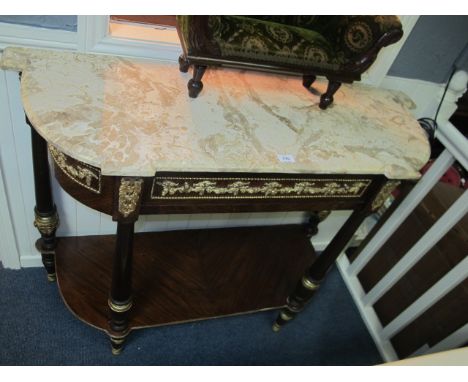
x: 181, y: 276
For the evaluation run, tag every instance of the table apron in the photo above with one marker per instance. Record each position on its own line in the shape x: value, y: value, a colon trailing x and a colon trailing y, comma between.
x: 185, y: 193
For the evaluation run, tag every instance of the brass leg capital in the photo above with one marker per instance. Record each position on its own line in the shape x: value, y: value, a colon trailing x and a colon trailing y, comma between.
x: 46, y: 225
x: 309, y: 284
x: 119, y: 308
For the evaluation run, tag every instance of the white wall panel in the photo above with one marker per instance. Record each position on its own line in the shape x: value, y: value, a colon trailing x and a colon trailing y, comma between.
x: 179, y: 221
x: 198, y: 221
x: 9, y: 255
x: 18, y: 167
x: 12, y: 187
x: 88, y: 221
x: 212, y: 220
x: 106, y: 225
x: 155, y: 223
x: 66, y: 208
x: 328, y: 229
x: 238, y: 219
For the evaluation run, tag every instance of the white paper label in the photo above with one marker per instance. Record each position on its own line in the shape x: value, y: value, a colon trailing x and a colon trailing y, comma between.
x: 286, y: 158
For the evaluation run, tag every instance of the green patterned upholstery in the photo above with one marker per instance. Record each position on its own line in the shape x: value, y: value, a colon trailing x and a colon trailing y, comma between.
x: 325, y: 43
x: 338, y: 47
x: 254, y: 39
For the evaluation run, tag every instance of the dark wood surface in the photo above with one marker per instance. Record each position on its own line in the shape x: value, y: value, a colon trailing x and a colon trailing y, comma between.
x: 42, y: 187
x: 181, y: 276
x: 102, y: 201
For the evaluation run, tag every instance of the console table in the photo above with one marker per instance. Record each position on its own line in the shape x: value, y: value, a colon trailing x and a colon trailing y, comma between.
x: 125, y: 140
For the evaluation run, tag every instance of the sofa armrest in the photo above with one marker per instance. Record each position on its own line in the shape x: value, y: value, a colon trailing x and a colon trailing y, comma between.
x: 362, y: 33
x: 363, y: 36
x: 195, y: 35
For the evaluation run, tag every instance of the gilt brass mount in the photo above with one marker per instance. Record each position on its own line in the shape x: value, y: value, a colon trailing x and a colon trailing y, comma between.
x: 384, y: 193
x: 46, y: 225
x: 119, y: 308
x: 308, y: 284
x: 129, y: 195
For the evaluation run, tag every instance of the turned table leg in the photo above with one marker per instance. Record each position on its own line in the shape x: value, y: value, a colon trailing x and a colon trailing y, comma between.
x: 127, y: 206
x: 46, y: 217
x: 120, y: 299
x: 315, y: 219
x: 311, y: 280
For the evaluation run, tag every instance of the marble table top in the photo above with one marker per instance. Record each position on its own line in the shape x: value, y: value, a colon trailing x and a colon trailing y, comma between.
x: 133, y: 117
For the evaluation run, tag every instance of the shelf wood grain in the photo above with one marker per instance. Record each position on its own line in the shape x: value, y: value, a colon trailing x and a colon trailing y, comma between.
x: 183, y: 276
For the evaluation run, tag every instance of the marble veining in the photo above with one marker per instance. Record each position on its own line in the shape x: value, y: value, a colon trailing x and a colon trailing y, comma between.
x: 133, y: 117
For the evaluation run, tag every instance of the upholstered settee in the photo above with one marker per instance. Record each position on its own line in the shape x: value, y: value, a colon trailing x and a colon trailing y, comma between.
x: 340, y: 48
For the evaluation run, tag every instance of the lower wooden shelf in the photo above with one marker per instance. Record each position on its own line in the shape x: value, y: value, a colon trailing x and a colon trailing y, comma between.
x: 181, y: 276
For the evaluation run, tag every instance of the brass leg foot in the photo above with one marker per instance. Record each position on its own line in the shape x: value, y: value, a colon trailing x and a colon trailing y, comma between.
x: 116, y: 351
x: 117, y: 344
x: 285, y: 315
x: 47, y: 225
x: 296, y: 302
x: 48, y: 259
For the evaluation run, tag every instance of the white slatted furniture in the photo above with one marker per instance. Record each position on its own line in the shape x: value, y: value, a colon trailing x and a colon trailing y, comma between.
x: 456, y: 148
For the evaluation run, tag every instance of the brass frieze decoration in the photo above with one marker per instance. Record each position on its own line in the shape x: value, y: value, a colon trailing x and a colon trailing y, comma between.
x: 245, y: 188
x: 129, y: 195
x: 83, y: 174
x: 384, y: 193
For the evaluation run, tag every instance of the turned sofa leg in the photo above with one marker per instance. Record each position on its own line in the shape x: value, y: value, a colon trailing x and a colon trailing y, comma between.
x: 327, y: 98
x: 184, y: 65
x: 195, y: 85
x: 308, y: 80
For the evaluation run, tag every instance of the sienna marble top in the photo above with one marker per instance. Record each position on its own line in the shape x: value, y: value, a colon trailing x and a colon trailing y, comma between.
x: 134, y: 117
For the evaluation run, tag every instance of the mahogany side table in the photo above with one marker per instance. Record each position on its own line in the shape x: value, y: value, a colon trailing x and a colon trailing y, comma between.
x: 126, y: 141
